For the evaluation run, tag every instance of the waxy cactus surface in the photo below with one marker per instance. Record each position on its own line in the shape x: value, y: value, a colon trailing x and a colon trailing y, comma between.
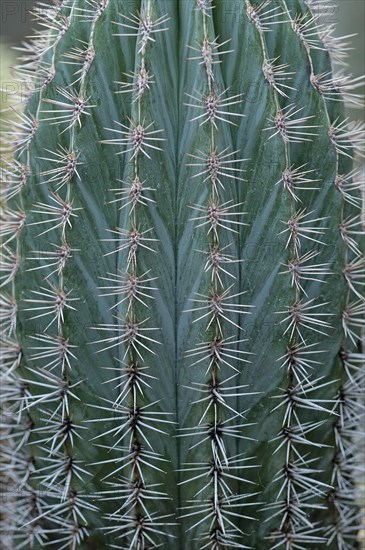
x: 182, y: 280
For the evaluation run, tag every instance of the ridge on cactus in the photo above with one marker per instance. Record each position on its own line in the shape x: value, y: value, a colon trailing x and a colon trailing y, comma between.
x: 182, y: 307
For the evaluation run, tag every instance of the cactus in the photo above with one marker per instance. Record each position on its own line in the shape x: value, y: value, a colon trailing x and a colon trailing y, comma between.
x: 182, y: 275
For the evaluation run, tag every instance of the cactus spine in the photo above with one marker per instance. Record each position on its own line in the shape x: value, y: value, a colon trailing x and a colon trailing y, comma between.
x: 182, y: 272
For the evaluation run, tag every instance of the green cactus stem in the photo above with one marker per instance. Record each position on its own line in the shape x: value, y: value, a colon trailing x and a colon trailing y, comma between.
x: 182, y: 263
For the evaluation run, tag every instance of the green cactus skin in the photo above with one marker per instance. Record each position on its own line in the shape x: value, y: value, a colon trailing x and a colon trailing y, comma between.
x: 182, y: 275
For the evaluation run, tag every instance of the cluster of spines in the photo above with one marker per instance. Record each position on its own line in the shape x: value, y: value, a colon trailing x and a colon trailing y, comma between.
x: 20, y: 503
x: 135, y: 418
x: 32, y: 73
x: 344, y: 497
x: 62, y: 474
x: 216, y: 506
x: 15, y: 428
x: 348, y: 142
x: 301, y: 487
x: 48, y: 474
